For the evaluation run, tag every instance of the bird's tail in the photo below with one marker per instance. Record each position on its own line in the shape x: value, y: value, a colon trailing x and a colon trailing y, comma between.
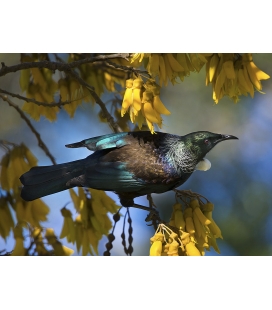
x: 47, y: 180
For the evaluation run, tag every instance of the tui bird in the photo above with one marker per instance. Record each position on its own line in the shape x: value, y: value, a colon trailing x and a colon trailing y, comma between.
x: 131, y: 164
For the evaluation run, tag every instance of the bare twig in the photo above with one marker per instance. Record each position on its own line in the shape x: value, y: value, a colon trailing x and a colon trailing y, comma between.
x: 115, y: 127
x: 5, y: 253
x: 23, y: 116
x: 5, y: 145
x: 186, y: 195
x: 58, y: 58
x: 49, y: 105
x: 58, y: 65
x: 111, y: 64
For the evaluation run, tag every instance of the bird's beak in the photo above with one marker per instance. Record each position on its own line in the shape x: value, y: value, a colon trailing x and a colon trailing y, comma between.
x: 226, y: 137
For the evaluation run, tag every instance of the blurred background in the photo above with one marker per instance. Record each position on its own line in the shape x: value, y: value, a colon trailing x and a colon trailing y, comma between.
x: 239, y: 182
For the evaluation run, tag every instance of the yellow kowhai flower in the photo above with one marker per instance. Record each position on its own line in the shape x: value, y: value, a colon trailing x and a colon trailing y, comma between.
x: 191, y: 231
x: 233, y: 75
x: 143, y: 102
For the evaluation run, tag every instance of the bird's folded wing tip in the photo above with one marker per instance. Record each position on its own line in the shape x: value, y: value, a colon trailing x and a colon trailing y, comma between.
x: 74, y: 145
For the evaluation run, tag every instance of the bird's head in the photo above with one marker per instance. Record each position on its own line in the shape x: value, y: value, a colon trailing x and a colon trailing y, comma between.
x: 201, y: 142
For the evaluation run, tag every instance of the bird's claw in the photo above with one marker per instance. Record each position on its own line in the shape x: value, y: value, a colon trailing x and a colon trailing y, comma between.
x: 154, y: 218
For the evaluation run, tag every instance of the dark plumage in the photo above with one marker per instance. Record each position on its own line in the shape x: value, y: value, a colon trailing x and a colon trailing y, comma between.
x: 131, y: 164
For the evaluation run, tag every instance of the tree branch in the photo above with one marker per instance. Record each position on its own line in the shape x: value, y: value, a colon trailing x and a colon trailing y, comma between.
x: 23, y: 116
x: 68, y: 69
x: 107, y: 115
x: 49, y: 105
x: 111, y: 64
x: 58, y: 65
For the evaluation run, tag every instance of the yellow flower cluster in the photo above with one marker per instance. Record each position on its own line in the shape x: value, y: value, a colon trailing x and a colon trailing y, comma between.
x: 38, y: 236
x: 233, y: 75
x: 31, y: 212
x: 19, y: 249
x: 59, y: 249
x: 193, y: 231
x: 6, y: 220
x: 71, y: 90
x: 29, y: 215
x: 92, y: 221
x: 44, y: 242
x: 99, y: 78
x: 38, y: 84
x: 143, y: 102
x: 13, y: 164
x: 169, y: 67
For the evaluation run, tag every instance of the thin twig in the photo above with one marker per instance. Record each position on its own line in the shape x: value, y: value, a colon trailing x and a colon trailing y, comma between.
x: 5, y: 253
x: 23, y: 116
x: 50, y: 105
x: 52, y: 65
x: 111, y: 64
x: 115, y: 127
x: 58, y: 58
x: 186, y: 195
x: 5, y: 145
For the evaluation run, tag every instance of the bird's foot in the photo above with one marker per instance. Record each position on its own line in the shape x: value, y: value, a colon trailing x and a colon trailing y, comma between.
x: 151, y: 210
x: 154, y: 218
x: 153, y: 215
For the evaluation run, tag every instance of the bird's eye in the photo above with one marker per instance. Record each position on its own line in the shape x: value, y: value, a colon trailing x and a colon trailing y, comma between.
x: 206, y: 141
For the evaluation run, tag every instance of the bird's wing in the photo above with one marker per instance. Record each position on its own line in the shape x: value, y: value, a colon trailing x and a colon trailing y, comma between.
x: 112, y: 176
x: 116, y: 140
x: 102, y: 142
